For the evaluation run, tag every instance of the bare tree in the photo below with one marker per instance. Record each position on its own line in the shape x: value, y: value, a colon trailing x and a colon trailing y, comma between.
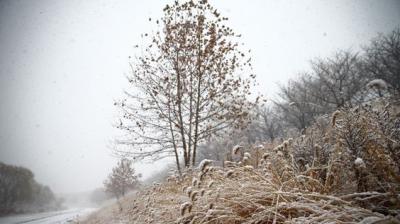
x: 333, y: 83
x: 268, y: 124
x: 382, y: 60
x: 298, y: 105
x: 338, y: 81
x: 122, y: 179
x: 191, y: 82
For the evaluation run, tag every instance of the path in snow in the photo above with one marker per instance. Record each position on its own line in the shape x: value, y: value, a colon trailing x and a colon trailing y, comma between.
x: 58, y: 217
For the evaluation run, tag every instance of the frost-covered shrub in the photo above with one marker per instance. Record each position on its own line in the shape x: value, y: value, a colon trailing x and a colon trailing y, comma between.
x: 350, y: 157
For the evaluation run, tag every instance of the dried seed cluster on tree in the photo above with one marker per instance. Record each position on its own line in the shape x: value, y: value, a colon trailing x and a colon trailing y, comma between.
x: 191, y: 81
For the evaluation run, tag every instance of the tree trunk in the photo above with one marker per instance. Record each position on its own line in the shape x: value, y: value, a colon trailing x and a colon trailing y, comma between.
x: 199, y: 75
x: 190, y: 114
x: 196, y: 131
x: 173, y: 139
x: 179, y: 101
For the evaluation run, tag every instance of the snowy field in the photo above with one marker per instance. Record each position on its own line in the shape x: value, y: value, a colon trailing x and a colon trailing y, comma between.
x: 58, y: 217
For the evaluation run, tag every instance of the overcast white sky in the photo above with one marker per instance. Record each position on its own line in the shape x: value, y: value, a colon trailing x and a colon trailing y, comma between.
x: 63, y: 62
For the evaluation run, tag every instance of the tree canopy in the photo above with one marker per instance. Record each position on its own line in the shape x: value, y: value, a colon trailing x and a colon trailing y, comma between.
x: 192, y: 81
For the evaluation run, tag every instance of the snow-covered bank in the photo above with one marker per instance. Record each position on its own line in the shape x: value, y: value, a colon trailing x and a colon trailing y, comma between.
x: 321, y: 176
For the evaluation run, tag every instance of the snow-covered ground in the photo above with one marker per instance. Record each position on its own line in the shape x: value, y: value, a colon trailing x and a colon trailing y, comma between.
x: 58, y: 217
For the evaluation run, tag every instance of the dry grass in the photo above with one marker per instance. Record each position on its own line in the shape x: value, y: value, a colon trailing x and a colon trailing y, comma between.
x: 344, y: 169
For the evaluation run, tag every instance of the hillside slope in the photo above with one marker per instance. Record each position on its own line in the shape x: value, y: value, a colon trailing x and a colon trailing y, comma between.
x: 343, y: 169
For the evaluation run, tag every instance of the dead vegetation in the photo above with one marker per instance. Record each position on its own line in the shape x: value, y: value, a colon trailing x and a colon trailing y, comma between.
x: 343, y: 169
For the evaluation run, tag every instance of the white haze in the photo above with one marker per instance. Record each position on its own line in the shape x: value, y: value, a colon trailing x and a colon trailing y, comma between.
x: 63, y: 62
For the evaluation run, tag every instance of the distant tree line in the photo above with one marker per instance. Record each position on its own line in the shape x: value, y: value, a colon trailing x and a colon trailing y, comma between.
x: 344, y: 80
x: 19, y: 192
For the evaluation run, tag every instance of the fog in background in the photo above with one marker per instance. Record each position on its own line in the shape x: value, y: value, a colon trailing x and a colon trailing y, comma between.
x: 62, y: 63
